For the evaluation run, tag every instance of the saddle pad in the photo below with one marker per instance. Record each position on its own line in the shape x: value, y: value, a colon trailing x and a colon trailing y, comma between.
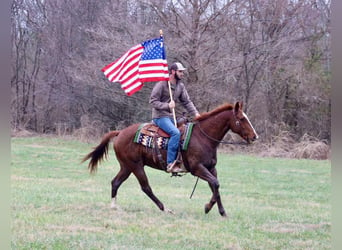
x: 162, y: 142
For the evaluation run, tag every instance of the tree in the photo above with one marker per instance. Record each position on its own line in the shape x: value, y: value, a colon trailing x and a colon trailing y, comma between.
x: 272, y: 55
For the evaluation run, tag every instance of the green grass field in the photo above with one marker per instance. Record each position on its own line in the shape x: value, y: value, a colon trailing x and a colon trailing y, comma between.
x: 271, y: 203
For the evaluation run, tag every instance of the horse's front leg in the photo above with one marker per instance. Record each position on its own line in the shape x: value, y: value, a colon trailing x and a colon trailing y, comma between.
x: 203, y: 173
x: 215, y: 198
x: 218, y: 196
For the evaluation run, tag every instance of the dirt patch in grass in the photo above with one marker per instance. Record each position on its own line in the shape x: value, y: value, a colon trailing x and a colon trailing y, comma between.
x: 289, y: 227
x: 42, y: 180
x: 20, y: 178
x: 36, y: 146
x: 74, y: 228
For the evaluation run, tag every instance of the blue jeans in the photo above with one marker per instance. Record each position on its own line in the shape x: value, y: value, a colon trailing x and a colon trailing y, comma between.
x: 166, y: 124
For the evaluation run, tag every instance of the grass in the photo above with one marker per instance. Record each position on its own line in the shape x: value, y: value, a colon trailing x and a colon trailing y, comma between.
x: 271, y: 203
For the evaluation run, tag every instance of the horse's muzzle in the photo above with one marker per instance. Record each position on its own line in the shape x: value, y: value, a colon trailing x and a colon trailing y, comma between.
x: 250, y: 140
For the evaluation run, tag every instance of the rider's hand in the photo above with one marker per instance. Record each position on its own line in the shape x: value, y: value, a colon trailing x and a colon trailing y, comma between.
x: 172, y: 104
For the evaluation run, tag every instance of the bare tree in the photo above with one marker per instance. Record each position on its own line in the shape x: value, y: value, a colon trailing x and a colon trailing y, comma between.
x: 273, y: 55
x: 28, y: 19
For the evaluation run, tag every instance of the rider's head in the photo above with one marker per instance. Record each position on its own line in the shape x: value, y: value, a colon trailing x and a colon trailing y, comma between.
x: 177, y: 69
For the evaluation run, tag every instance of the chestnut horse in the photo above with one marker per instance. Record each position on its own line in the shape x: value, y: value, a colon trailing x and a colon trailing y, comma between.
x: 199, y: 159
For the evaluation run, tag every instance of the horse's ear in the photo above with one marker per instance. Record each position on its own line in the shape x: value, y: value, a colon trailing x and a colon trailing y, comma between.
x: 237, y: 107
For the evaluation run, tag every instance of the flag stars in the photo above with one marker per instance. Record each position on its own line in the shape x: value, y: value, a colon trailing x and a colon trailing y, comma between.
x: 153, y: 49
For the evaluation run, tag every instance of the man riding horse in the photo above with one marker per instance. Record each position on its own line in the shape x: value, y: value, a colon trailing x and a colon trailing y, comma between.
x: 162, y: 107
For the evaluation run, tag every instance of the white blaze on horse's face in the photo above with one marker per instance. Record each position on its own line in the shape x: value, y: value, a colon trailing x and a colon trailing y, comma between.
x: 256, y: 135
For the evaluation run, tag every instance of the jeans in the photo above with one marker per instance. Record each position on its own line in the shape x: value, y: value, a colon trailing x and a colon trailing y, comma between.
x: 166, y: 124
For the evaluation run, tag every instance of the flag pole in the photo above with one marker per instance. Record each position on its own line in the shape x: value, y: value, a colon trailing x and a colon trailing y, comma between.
x: 173, y: 109
x: 170, y: 92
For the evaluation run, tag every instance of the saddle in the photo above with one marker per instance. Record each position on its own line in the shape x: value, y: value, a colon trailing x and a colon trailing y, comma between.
x: 152, y: 129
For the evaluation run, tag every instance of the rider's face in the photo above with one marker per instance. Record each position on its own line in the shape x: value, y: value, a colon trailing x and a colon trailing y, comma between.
x: 179, y: 74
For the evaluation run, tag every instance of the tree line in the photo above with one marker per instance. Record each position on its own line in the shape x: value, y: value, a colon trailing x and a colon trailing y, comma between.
x: 274, y: 55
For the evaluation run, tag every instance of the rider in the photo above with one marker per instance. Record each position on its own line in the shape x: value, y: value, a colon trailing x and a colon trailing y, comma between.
x: 162, y: 110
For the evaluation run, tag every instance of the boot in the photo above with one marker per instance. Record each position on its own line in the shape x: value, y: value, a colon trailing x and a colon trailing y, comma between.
x: 173, y: 167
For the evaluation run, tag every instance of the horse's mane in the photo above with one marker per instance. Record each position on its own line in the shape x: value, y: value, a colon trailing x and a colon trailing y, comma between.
x: 223, y: 107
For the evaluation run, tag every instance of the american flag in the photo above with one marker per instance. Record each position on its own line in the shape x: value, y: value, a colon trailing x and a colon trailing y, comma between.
x: 145, y: 62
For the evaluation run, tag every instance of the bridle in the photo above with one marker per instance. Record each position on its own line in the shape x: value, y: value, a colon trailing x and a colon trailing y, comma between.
x: 220, y: 141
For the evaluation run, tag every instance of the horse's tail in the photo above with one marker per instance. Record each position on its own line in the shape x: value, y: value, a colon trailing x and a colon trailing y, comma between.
x: 96, y: 156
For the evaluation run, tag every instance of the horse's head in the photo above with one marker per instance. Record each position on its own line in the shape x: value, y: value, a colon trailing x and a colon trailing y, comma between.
x: 241, y: 124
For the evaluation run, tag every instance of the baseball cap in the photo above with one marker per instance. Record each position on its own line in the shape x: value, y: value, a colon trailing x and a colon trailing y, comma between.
x: 177, y: 66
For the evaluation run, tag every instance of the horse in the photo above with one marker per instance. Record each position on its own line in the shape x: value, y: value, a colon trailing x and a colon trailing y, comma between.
x: 199, y: 159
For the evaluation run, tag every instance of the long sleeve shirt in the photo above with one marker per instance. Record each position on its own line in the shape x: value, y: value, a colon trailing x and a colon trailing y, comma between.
x: 160, y: 99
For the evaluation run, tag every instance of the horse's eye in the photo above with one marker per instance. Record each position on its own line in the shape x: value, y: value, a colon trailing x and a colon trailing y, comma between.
x: 237, y: 123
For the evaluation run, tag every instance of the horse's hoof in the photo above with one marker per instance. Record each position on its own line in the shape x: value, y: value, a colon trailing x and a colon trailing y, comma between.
x: 113, y: 205
x: 168, y: 211
x: 223, y: 214
x: 207, y: 208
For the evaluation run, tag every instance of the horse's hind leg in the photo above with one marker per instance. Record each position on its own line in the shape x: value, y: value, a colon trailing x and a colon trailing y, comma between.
x: 117, y: 181
x: 145, y: 186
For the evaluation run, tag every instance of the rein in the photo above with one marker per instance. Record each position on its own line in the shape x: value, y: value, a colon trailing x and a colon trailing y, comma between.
x: 219, y: 141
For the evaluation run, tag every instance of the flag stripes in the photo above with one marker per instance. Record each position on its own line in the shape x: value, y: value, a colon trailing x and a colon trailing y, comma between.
x: 142, y: 63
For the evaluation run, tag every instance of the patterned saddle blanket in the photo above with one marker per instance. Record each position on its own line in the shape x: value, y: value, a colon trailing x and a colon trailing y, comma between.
x: 147, y: 133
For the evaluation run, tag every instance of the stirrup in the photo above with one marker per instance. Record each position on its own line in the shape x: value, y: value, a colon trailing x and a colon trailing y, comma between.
x: 170, y: 166
x: 175, y: 174
x: 175, y: 167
